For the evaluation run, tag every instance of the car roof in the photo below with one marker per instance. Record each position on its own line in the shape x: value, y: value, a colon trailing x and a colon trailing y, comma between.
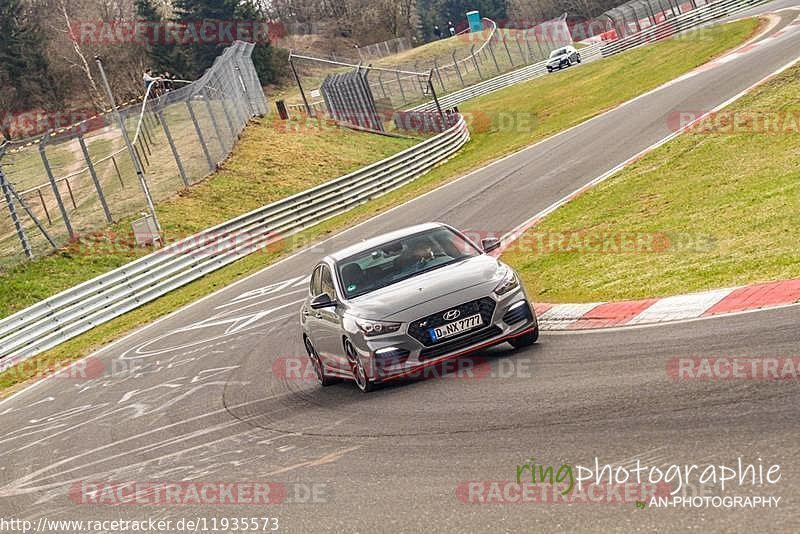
x: 381, y: 239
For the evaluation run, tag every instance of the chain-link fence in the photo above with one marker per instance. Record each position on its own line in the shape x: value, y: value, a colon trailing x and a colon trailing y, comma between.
x: 69, y: 182
x: 638, y: 15
x: 376, y: 51
x: 400, y: 81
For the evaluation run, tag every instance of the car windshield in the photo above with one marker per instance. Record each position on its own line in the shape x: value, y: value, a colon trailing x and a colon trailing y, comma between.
x: 401, y: 259
x: 558, y: 52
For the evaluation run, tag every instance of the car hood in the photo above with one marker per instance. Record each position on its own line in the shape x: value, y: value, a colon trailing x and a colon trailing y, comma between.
x: 557, y: 58
x: 430, y: 292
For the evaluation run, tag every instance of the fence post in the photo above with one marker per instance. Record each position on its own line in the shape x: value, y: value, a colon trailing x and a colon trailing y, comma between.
x: 214, y: 123
x: 23, y: 239
x: 458, y: 70
x: 240, y: 79
x: 494, y: 59
x: 508, y: 52
x: 380, y: 81
x: 529, y: 53
x: 438, y: 74
x: 172, y: 147
x: 475, y: 60
x: 44, y: 206
x: 400, y: 84
x: 116, y: 168
x: 232, y: 92
x: 32, y: 215
x: 519, y: 47
x: 137, y: 164
x: 199, y: 132
x: 436, y: 101
x: 238, y: 95
x: 228, y: 119
x: 96, y: 181
x: 53, y: 184
x: 299, y: 85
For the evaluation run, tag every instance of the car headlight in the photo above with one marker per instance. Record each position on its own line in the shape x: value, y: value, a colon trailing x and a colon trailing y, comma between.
x: 377, y: 328
x: 508, y: 283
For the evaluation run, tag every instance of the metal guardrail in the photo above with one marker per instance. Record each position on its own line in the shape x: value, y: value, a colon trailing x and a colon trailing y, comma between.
x: 691, y: 19
x: 76, y: 310
x: 668, y: 28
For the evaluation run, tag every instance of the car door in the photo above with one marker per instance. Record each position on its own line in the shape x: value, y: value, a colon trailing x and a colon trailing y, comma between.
x: 309, y: 316
x: 329, y: 323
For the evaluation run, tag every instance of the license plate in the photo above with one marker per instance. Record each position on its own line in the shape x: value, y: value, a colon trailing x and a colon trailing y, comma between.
x: 456, y: 327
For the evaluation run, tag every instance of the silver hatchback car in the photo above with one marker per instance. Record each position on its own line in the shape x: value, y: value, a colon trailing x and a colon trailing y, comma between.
x: 392, y: 305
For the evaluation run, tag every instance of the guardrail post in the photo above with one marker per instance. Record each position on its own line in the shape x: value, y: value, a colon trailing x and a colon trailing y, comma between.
x: 95, y: 180
x: 23, y: 239
x: 172, y: 146
x: 199, y: 132
x: 53, y: 184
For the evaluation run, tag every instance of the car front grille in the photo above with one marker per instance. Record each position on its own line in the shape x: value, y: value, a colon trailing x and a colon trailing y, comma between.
x: 463, y: 342
x: 420, y: 329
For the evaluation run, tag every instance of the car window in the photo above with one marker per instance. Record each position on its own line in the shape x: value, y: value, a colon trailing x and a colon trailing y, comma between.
x: 315, y: 287
x: 326, y: 282
x: 403, y: 258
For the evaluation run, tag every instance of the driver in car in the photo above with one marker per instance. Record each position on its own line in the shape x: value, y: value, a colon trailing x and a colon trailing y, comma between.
x: 421, y: 255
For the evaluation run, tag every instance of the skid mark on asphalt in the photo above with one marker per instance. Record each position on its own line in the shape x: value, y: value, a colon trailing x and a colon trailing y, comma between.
x: 327, y: 459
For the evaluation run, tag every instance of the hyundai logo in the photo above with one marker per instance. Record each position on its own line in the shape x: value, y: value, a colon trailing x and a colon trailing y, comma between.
x: 450, y: 315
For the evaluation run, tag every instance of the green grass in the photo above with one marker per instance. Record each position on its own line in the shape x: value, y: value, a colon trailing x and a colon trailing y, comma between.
x: 724, y: 207
x: 257, y: 157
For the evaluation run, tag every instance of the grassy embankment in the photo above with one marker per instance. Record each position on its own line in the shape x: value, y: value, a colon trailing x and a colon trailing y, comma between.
x: 725, y: 197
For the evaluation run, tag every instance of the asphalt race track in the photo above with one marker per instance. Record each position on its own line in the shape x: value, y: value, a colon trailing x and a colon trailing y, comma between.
x: 212, y: 393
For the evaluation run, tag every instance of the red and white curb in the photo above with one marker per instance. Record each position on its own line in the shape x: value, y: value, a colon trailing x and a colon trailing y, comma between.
x: 676, y: 308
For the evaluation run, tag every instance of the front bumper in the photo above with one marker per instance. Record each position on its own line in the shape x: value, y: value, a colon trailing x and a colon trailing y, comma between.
x: 401, y: 354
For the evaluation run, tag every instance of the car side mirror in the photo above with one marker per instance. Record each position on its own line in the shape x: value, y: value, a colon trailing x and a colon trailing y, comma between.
x: 490, y: 243
x: 322, y: 301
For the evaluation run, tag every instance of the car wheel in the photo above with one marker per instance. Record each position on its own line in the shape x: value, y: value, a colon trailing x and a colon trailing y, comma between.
x: 357, y: 367
x: 316, y: 363
x: 578, y: 59
x: 525, y: 340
